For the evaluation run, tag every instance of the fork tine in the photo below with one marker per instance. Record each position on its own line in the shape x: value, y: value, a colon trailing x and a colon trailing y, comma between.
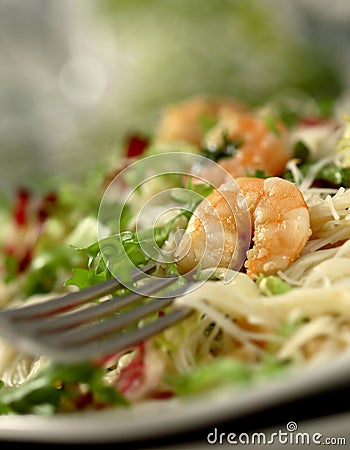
x: 72, y: 300
x: 87, y: 333
x: 96, y: 329
x: 93, y: 350
x: 104, y: 328
x: 98, y: 310
x: 125, y: 341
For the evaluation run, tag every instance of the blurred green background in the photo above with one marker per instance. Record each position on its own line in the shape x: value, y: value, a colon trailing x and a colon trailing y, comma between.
x: 77, y: 76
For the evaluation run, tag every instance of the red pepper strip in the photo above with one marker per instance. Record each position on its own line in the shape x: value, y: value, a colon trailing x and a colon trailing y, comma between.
x: 136, y: 145
x: 134, y: 372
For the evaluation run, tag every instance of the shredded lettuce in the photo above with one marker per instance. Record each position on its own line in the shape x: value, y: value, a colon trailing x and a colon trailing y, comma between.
x: 57, y: 388
x: 329, y: 175
x: 221, y: 371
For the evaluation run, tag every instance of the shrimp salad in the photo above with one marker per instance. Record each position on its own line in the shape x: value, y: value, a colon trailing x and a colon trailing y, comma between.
x: 253, y: 202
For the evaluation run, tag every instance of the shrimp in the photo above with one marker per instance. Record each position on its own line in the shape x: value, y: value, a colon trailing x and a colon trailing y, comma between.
x: 183, y: 121
x: 259, y: 145
x: 279, y: 221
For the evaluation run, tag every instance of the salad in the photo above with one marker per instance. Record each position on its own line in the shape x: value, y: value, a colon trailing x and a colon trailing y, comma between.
x: 252, y: 201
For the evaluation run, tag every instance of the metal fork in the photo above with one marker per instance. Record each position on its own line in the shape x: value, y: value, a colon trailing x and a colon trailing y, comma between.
x: 66, y: 331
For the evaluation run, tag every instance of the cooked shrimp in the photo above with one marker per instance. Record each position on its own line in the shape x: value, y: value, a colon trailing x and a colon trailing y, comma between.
x: 260, y: 146
x: 212, y: 233
x: 280, y: 226
x: 182, y: 121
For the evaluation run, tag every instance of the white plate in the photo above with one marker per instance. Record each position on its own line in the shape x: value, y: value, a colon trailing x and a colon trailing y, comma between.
x: 163, y: 418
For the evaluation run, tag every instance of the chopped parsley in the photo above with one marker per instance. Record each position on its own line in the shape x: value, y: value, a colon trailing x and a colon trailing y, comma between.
x: 226, y: 149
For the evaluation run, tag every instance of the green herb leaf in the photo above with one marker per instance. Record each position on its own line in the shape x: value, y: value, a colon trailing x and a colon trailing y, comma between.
x: 270, y: 122
x: 222, y: 370
x: 227, y: 149
x: 56, y: 386
x: 84, y: 278
x: 301, y: 152
x: 330, y: 175
x: 206, y: 122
